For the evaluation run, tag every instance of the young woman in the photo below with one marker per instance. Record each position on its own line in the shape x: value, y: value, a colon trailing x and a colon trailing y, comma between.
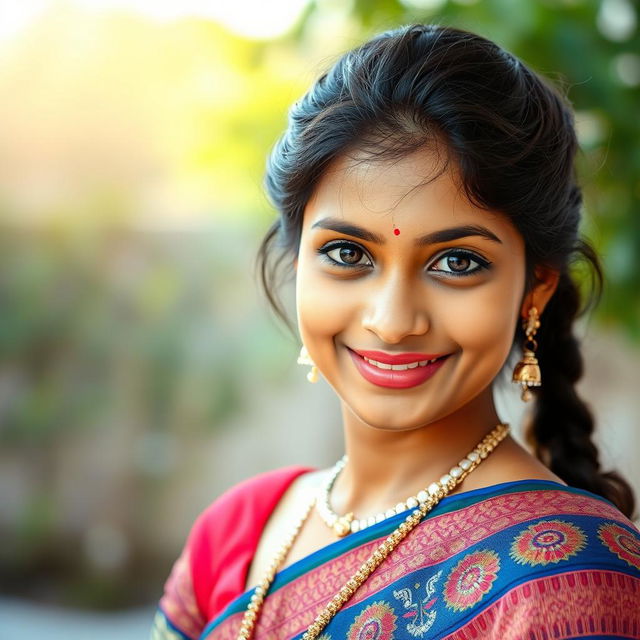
x: 429, y: 207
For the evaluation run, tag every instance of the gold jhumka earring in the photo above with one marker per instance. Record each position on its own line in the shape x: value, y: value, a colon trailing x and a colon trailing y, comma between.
x: 305, y: 358
x: 527, y: 371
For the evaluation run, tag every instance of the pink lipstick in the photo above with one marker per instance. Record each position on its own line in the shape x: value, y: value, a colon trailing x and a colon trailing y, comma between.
x: 396, y: 371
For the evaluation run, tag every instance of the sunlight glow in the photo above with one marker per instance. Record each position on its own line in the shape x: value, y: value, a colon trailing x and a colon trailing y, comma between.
x: 253, y: 19
x: 15, y: 16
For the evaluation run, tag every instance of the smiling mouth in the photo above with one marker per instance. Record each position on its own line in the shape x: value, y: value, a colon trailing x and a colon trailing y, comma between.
x: 400, y: 367
x: 407, y: 372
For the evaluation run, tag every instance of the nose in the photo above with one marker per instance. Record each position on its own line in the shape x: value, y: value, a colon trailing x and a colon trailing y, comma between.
x: 395, y: 309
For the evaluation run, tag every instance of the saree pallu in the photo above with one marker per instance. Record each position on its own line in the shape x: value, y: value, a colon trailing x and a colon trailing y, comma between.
x: 527, y: 559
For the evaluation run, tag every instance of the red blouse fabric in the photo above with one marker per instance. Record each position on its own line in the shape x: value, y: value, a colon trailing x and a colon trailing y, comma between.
x: 213, y: 566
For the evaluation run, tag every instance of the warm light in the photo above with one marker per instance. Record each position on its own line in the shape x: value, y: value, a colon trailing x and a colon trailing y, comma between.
x: 15, y: 16
x: 250, y: 18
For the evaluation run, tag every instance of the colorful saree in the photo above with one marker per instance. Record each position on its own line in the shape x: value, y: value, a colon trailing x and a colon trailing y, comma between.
x: 527, y: 559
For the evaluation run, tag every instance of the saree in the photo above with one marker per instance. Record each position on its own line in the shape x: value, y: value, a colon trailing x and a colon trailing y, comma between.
x: 527, y: 559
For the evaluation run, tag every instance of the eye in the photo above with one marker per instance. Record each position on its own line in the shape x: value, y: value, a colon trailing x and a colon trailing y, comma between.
x: 345, y: 254
x: 458, y: 263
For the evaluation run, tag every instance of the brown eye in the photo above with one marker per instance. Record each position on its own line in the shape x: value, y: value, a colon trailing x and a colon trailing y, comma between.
x: 458, y: 263
x: 346, y: 254
x: 350, y: 255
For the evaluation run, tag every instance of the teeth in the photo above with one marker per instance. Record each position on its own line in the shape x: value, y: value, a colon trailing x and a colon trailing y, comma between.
x: 400, y: 367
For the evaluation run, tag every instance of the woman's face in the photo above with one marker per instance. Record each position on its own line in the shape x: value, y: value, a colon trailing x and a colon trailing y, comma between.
x: 411, y: 272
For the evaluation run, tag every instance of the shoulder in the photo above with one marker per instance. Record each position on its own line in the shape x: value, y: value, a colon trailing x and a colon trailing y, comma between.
x: 243, y: 508
x: 209, y: 571
x: 577, y: 562
x: 570, y: 528
x: 223, y: 538
x: 548, y: 556
x: 537, y: 529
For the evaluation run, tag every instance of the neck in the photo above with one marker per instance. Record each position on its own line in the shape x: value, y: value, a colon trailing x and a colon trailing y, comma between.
x: 387, y: 466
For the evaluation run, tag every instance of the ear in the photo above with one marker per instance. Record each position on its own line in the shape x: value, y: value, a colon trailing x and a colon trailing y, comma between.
x: 546, y: 282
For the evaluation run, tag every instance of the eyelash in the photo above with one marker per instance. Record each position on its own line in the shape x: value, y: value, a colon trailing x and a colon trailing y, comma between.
x: 482, y: 263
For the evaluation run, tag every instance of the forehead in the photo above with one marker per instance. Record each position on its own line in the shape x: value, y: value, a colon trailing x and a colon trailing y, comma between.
x: 421, y: 191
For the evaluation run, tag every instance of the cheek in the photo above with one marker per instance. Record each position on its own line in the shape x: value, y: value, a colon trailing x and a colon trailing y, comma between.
x: 482, y: 321
x: 320, y: 304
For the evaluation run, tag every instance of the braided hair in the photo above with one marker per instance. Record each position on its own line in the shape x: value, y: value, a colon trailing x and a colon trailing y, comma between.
x: 511, y: 135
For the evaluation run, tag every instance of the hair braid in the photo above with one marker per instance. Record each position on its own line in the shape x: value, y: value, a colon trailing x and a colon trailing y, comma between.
x: 562, y: 424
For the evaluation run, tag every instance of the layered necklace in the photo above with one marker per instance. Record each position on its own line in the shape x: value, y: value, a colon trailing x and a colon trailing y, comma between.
x: 420, y: 504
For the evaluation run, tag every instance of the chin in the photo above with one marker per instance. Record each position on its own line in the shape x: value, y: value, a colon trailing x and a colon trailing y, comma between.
x: 389, y: 420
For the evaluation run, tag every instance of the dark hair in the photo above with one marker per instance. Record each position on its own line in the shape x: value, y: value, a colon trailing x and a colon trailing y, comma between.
x: 511, y: 136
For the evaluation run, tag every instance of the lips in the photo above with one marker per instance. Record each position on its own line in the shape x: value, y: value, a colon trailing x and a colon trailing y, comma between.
x: 398, y: 358
x: 397, y: 371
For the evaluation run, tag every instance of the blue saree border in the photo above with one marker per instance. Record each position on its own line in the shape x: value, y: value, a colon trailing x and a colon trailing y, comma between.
x: 446, y: 505
x: 598, y: 559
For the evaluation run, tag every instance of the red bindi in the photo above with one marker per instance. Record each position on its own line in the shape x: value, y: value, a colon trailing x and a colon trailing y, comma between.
x: 396, y: 232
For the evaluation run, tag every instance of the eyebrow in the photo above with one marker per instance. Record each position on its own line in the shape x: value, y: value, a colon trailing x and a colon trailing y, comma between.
x: 435, y: 237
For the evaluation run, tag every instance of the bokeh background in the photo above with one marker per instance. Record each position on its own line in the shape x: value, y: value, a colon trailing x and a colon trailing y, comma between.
x: 141, y: 373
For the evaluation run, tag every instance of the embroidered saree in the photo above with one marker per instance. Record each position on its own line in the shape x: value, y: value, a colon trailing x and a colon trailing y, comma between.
x: 527, y: 559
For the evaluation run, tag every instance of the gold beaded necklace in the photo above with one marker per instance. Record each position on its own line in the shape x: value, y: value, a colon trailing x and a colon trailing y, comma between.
x: 249, y: 620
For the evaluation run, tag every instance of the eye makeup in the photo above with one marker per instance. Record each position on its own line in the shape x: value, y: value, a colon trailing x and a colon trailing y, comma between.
x: 344, y: 254
x: 347, y: 255
x: 465, y: 254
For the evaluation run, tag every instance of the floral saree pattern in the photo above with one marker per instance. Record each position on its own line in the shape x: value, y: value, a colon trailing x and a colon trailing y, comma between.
x: 528, y: 559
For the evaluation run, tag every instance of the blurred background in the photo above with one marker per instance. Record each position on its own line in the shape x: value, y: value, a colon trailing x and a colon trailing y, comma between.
x: 141, y: 373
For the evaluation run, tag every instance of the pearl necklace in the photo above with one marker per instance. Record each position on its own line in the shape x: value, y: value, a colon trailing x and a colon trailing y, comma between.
x: 346, y: 524
x: 250, y: 618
